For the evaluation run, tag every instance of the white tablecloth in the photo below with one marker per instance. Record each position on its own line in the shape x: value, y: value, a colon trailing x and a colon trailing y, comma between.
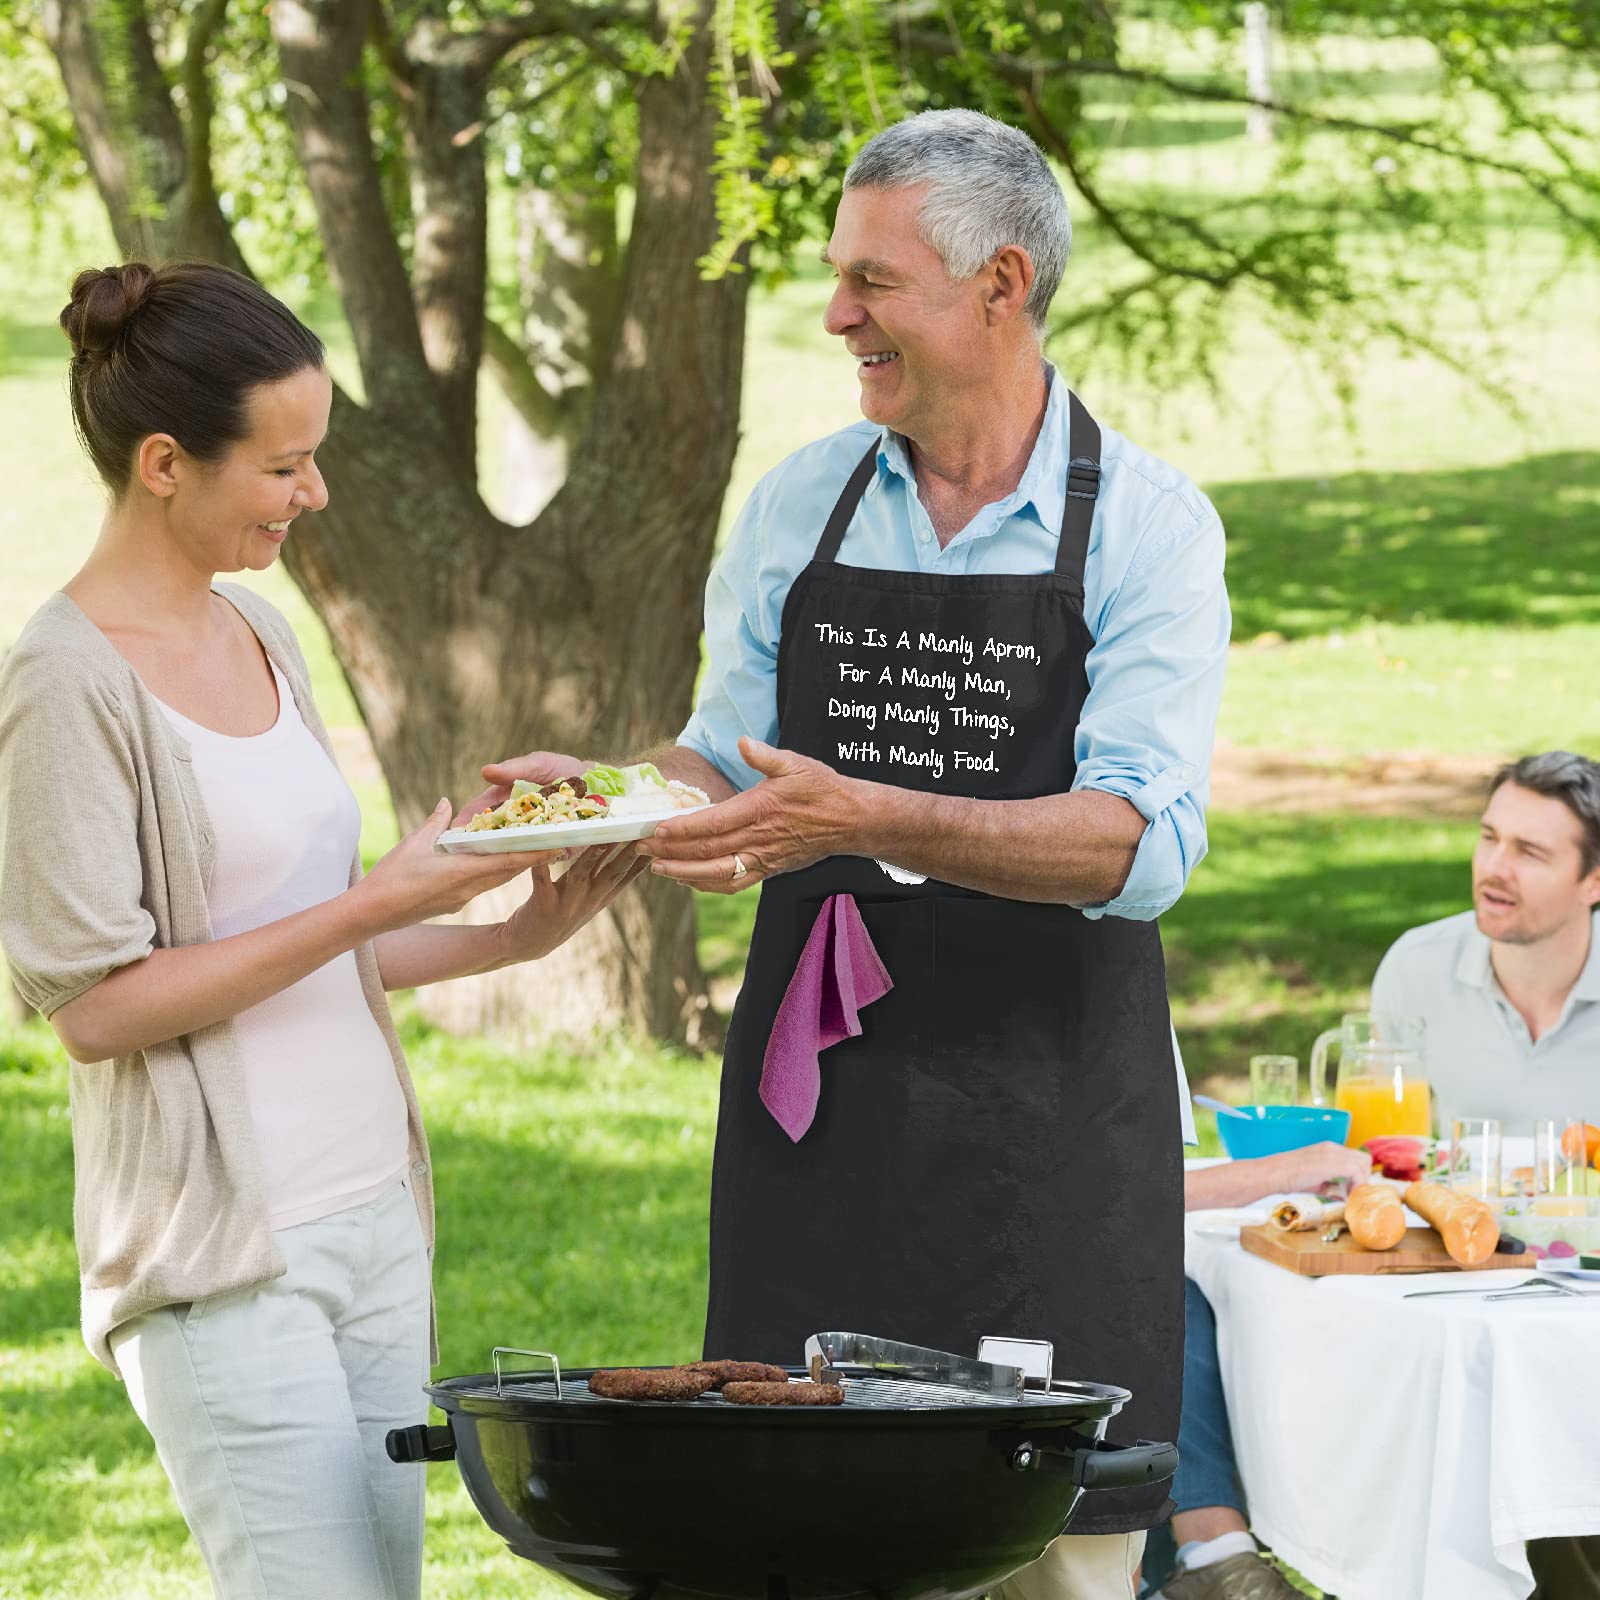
x: 1399, y: 1449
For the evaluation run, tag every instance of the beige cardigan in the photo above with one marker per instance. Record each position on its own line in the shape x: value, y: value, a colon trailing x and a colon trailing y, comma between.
x: 105, y: 849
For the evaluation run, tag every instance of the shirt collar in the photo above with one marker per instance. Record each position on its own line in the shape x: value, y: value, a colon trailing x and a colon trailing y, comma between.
x: 1474, y: 969
x: 1588, y: 985
x: 1043, y: 488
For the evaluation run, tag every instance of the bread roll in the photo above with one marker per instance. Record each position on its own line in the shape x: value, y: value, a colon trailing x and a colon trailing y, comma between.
x: 1374, y: 1216
x: 1468, y: 1227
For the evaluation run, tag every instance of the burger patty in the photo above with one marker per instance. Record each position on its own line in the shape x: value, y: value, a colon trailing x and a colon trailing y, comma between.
x: 650, y: 1383
x: 783, y: 1394
x: 722, y: 1372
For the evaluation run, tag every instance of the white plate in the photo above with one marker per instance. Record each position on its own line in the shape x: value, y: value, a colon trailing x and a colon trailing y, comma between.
x: 1567, y: 1267
x: 557, y: 835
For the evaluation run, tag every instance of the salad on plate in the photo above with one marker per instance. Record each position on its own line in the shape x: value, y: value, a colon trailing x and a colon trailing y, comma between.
x: 602, y: 791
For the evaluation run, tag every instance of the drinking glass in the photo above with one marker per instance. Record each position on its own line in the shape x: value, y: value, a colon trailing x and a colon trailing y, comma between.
x: 1475, y: 1157
x: 1273, y: 1080
x: 1560, y: 1182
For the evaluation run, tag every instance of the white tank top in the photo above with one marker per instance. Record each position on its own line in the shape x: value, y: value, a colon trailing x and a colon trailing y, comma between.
x: 330, y: 1117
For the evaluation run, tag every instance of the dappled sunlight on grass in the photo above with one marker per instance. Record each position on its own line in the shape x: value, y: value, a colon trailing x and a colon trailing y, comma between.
x: 1513, y: 544
x: 1452, y: 688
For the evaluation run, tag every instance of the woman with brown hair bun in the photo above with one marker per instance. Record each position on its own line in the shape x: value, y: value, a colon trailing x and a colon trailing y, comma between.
x: 181, y: 895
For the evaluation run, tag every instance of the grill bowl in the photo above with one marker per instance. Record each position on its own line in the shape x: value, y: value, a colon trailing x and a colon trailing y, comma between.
x: 906, y: 1492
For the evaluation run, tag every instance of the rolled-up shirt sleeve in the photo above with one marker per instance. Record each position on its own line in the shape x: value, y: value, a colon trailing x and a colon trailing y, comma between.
x: 1155, y: 683
x: 739, y: 688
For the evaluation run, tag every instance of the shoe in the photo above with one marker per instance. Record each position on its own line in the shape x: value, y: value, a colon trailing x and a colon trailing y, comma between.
x: 1242, y: 1577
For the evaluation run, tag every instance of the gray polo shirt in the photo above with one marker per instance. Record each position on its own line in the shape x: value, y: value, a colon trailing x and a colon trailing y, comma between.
x: 1480, y: 1057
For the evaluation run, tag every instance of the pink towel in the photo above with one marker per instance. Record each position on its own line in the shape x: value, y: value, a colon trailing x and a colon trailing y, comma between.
x: 838, y: 973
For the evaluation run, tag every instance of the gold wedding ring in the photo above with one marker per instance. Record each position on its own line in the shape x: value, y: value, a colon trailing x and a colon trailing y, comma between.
x: 739, y: 868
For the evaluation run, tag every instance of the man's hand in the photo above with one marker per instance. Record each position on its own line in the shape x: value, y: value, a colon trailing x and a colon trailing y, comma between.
x: 800, y: 812
x: 539, y: 766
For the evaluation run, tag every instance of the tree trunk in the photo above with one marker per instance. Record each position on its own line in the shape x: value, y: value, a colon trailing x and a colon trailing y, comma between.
x: 634, y: 526
x: 464, y: 638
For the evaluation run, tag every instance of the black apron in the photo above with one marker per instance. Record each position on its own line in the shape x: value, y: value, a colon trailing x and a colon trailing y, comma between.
x: 999, y: 1151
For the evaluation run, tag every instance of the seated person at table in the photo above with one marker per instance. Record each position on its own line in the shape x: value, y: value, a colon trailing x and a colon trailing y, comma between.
x: 1510, y: 992
x: 1208, y: 1537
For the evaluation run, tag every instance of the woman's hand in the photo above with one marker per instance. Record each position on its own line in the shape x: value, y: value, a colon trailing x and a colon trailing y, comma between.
x: 553, y: 912
x: 416, y: 880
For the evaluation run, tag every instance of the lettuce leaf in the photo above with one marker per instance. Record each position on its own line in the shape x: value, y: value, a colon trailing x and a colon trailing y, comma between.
x: 606, y: 780
x: 641, y: 778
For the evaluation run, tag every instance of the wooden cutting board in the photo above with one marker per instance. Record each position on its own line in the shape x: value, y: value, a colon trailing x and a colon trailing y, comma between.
x: 1422, y: 1250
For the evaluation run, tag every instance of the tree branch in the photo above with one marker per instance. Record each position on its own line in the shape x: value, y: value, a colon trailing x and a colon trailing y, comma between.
x: 1060, y: 147
x: 480, y: 52
x: 1030, y: 73
x: 319, y: 48
x: 390, y: 50
x: 450, y: 205
x: 159, y: 201
x: 520, y: 384
x: 196, y: 78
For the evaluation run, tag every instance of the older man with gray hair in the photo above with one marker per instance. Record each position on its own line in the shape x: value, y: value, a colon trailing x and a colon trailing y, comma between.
x: 963, y: 667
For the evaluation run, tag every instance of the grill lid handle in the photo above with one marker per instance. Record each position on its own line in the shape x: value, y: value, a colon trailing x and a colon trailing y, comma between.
x: 888, y: 1358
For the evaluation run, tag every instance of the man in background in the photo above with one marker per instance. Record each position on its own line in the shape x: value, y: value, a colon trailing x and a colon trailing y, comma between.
x: 1510, y: 993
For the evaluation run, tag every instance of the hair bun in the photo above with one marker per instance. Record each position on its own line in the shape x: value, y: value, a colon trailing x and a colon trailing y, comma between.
x: 104, y: 300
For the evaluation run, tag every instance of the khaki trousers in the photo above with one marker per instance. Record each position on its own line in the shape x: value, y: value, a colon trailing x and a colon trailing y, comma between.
x: 1083, y: 1566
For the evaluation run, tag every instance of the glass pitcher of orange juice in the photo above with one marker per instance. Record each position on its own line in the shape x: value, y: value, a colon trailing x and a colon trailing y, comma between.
x: 1380, y: 1080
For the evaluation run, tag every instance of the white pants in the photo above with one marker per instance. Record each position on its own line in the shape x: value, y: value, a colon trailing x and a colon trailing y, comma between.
x: 269, y: 1407
x: 1083, y: 1566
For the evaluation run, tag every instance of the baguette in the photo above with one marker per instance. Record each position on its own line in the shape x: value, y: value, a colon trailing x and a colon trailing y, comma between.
x: 1374, y: 1216
x: 1467, y: 1226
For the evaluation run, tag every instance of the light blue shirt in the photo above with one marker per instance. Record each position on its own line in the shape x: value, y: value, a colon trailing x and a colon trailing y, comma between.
x: 1154, y: 601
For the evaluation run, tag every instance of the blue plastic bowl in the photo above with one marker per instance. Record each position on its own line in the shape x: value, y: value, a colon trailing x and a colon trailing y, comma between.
x: 1274, y: 1129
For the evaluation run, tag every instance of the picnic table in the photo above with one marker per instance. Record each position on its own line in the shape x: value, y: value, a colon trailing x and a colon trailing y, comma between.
x: 1403, y: 1449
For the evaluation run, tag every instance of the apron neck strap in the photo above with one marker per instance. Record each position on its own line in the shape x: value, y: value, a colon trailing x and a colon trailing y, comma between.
x: 1083, y: 484
x: 1077, y: 512
x: 845, y: 507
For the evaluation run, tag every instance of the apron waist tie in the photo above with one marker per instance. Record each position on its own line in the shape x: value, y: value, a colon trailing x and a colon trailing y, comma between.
x: 838, y: 973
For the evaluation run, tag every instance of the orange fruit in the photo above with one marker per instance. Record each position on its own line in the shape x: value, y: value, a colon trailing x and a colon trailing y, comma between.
x: 1581, y: 1142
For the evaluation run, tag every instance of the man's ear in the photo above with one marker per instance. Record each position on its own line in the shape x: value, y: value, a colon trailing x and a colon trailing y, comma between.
x: 157, y: 465
x: 1010, y: 281
x: 1590, y: 888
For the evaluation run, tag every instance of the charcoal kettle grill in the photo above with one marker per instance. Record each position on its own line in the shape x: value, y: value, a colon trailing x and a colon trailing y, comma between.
x: 937, y: 1477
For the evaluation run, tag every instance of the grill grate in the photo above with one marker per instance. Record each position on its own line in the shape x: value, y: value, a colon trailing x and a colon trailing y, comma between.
x: 860, y: 1394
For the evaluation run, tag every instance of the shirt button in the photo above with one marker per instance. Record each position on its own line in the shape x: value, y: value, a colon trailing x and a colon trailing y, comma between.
x: 924, y: 536
x: 419, y: 1167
